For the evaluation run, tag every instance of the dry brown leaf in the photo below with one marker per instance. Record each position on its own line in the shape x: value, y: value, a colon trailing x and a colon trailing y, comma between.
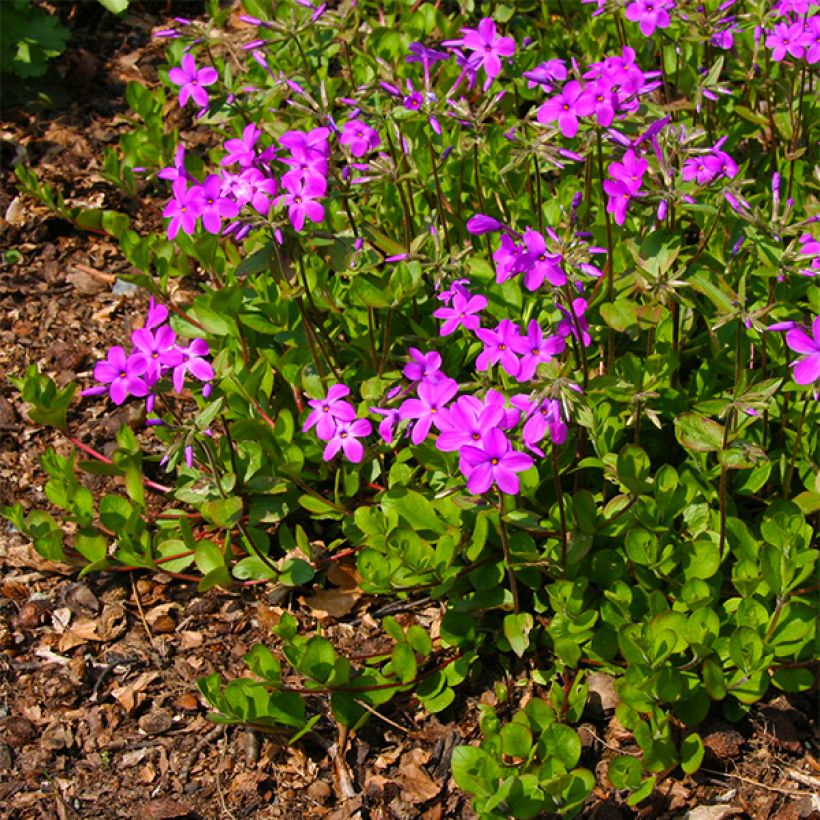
x: 332, y: 603
x: 343, y: 575
x: 417, y: 785
x: 131, y: 695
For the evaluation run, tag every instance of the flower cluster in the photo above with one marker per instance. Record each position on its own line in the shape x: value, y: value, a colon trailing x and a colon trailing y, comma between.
x: 796, y: 35
x: 336, y: 423
x: 608, y: 89
x: 806, y: 368
x: 156, y: 353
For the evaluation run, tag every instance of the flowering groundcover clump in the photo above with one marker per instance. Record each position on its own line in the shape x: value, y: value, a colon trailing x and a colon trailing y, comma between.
x: 517, y: 314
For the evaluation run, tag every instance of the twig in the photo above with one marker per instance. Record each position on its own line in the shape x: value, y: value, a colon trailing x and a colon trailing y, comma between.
x: 376, y: 713
x: 142, y: 615
x: 214, y: 733
x: 756, y: 783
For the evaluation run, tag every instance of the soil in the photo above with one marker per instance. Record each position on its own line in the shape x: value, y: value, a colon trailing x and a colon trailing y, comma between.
x: 99, y: 712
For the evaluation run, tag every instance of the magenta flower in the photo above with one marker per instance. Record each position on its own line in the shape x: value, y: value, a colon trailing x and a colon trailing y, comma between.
x: 488, y: 48
x: 509, y: 259
x: 493, y: 462
x: 541, y: 419
x: 566, y: 106
x: 386, y: 425
x: 466, y: 421
x: 462, y: 312
x: 215, y: 207
x: 539, y: 265
x: 359, y: 137
x: 300, y: 143
x: 650, y: 14
x: 567, y: 327
x: 301, y: 199
x: 629, y: 170
x: 536, y: 349
x: 619, y: 196
x: 426, y: 409
x: 193, y: 81
x: 328, y: 411
x: 481, y: 224
x: 787, y: 38
x: 807, y: 368
x: 158, y: 349
x: 499, y: 346
x: 242, y: 150
x: 123, y: 375
x: 185, y: 208
x: 545, y: 74
x: 193, y: 362
x: 423, y: 367
x: 345, y: 438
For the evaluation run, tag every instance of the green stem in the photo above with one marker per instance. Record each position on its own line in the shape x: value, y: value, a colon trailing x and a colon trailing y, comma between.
x: 505, y: 546
x: 559, y: 494
x: 787, y: 483
x: 610, y: 267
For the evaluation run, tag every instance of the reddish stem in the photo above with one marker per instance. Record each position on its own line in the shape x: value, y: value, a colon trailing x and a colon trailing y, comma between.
x: 100, y: 457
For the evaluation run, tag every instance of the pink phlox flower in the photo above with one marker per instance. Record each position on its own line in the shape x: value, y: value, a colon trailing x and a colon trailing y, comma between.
x: 619, y: 196
x: 345, y: 438
x: 493, y: 462
x: 251, y: 187
x: 488, y: 48
x: 314, y: 141
x: 242, y: 150
x: 215, y: 207
x: 427, y: 408
x: 807, y: 368
x: 465, y: 421
x: 811, y: 40
x: 571, y: 102
x: 787, y: 38
x: 509, y: 258
x: 499, y: 346
x: 481, y: 223
x: 327, y: 411
x: 157, y: 314
x: 360, y: 138
x: 650, y: 14
x: 566, y: 326
x: 541, y: 418
x: 538, y: 264
x: 123, y: 375
x: 423, y: 367
x: 159, y: 350
x: 193, y: 81
x: 462, y: 313
x: 457, y: 286
x: 176, y: 170
x: 536, y: 349
x: 386, y: 425
x: 301, y: 199
x: 629, y: 170
x: 545, y: 74
x: 184, y: 209
x: 193, y: 362
x: 605, y: 101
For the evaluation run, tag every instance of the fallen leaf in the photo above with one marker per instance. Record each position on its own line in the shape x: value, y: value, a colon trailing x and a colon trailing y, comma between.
x: 332, y: 603
x: 131, y: 695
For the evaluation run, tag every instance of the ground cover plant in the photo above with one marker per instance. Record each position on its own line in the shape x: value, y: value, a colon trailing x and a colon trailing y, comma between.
x: 516, y: 310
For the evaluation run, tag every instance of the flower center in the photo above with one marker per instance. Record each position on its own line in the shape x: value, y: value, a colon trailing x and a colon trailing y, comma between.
x: 494, y: 461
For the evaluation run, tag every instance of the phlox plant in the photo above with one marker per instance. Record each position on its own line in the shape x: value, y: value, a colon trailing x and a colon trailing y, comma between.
x: 518, y: 314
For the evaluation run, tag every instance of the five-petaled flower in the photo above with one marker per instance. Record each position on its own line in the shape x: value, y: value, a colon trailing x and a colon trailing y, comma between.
x: 193, y: 81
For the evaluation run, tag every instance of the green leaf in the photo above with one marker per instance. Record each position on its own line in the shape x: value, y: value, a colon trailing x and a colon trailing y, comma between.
x: 252, y: 568
x: 691, y: 753
x: 625, y: 772
x: 414, y: 508
x: 261, y: 662
x: 404, y: 662
x: 474, y: 770
x: 699, y: 434
x: 295, y: 572
x: 517, y: 631
x: 516, y: 740
x: 224, y: 512
x: 562, y: 742
x: 208, y: 556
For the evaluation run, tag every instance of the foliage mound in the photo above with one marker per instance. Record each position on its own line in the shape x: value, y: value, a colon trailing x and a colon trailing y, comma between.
x: 514, y: 312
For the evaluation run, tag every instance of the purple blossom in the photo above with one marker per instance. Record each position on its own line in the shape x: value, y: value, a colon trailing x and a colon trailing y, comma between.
x: 500, y: 346
x: 567, y: 326
x: 123, y: 375
x: 481, y: 224
x: 359, y: 137
x: 466, y: 420
x: 328, y: 411
x: 192, y: 81
x: 487, y: 48
x: 192, y: 362
x: 242, y: 150
x: 386, y: 425
x: 493, y: 462
x: 158, y: 349
x: 651, y: 14
x: 541, y: 418
x: 215, y: 207
x: 566, y: 106
x: 546, y: 73
x: 345, y: 438
x: 426, y: 409
x: 629, y: 171
x: 536, y: 349
x: 301, y: 199
x: 509, y: 259
x: 787, y: 38
x: 423, y: 367
x: 539, y: 265
x: 184, y: 209
x: 619, y: 195
x: 806, y: 368
x: 462, y: 312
